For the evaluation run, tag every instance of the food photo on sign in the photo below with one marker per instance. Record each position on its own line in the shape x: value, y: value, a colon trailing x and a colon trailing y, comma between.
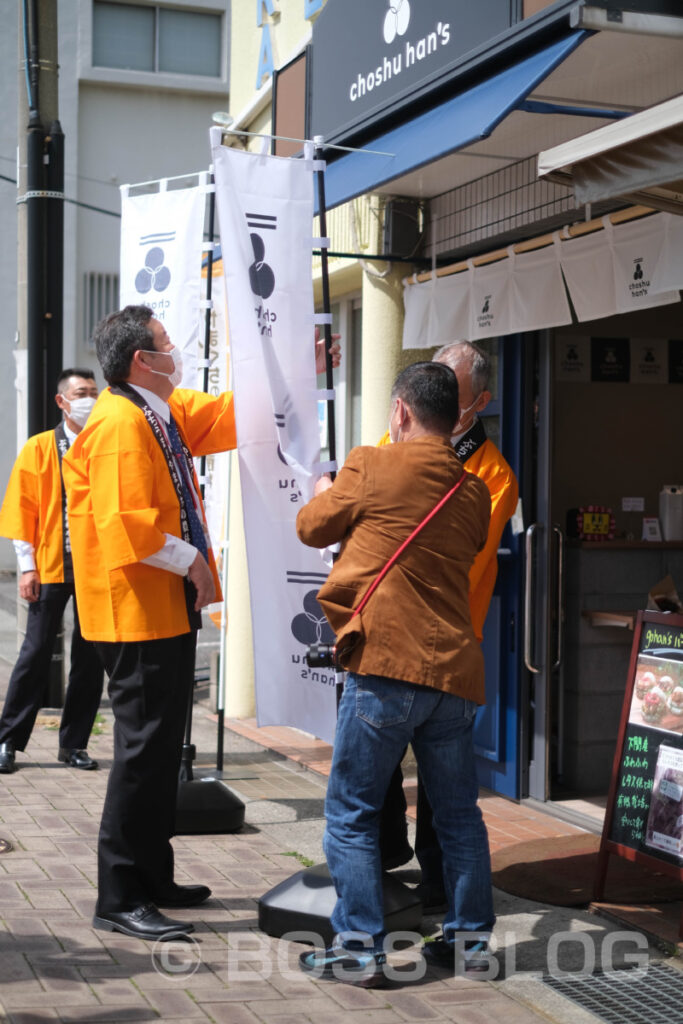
x: 658, y: 694
x: 665, y: 820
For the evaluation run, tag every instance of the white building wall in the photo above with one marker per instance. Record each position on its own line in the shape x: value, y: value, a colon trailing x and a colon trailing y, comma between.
x: 120, y: 127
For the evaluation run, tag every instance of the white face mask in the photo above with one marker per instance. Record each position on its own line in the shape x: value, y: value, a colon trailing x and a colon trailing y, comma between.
x: 176, y: 375
x: 463, y: 413
x: 80, y: 409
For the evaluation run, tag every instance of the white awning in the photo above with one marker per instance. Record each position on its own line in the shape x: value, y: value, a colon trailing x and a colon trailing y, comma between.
x: 639, y: 158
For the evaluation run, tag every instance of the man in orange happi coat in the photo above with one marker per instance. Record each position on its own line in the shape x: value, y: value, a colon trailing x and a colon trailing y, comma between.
x: 144, y: 569
x: 480, y: 456
x: 33, y: 515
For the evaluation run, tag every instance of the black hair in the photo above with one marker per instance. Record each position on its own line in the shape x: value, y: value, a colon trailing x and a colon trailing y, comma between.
x: 118, y: 337
x: 73, y: 371
x: 430, y: 390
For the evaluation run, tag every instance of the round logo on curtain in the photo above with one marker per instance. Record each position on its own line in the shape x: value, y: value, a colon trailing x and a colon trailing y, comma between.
x: 311, y: 626
x: 154, y: 274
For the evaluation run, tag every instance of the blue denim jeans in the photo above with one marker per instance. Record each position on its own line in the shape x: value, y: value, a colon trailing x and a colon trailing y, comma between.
x: 377, y: 719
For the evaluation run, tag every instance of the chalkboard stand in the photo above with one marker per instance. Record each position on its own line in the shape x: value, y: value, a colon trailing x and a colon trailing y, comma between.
x: 608, y: 844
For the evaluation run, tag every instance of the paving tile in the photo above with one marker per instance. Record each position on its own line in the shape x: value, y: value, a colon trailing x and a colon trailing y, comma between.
x: 69, y: 1014
x: 175, y: 1003
x: 33, y: 1016
x: 354, y: 998
x: 233, y: 992
x: 411, y: 1007
x: 229, y: 1013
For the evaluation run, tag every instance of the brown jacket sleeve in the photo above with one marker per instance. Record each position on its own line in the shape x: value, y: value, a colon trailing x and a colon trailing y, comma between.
x: 329, y: 516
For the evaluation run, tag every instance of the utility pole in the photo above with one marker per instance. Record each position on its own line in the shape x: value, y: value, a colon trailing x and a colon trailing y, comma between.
x: 40, y: 237
x: 41, y: 209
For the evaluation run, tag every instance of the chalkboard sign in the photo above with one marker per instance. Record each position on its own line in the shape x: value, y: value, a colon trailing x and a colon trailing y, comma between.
x: 644, y: 817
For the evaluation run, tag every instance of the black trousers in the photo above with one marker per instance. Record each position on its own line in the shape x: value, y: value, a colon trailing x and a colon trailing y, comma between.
x: 393, y: 829
x: 31, y: 672
x: 150, y: 683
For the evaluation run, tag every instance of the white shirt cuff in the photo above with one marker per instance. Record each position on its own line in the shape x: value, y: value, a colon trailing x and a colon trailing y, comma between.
x: 175, y: 556
x: 25, y: 555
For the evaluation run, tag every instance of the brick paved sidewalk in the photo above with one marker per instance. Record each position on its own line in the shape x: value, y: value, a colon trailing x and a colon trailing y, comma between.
x: 55, y: 967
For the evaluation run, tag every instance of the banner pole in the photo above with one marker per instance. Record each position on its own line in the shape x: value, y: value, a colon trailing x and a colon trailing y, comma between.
x: 206, y: 805
x: 222, y: 656
x: 319, y: 158
x: 189, y: 750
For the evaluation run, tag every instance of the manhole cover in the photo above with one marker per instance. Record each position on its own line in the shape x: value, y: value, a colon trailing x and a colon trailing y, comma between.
x: 5, y: 846
x: 654, y: 996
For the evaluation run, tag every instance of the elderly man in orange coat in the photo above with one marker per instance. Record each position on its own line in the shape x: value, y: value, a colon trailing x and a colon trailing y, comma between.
x: 144, y: 569
x: 478, y: 453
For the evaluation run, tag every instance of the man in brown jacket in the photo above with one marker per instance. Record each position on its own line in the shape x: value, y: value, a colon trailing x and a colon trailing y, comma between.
x: 416, y: 672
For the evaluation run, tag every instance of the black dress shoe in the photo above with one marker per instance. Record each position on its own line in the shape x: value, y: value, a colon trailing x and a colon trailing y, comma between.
x: 144, y: 922
x: 397, y: 858
x: 7, y: 765
x: 182, y: 896
x: 77, y: 759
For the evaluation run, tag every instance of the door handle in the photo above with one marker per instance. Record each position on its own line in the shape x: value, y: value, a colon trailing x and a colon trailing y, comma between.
x: 528, y: 579
x: 560, y: 591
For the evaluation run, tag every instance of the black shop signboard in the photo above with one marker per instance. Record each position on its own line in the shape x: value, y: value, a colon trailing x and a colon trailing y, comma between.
x: 644, y: 818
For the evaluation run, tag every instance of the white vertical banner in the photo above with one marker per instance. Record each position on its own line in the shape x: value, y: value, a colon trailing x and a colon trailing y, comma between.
x: 538, y: 295
x: 418, y: 301
x: 161, y: 264
x: 490, y: 299
x: 588, y: 267
x: 638, y: 267
x: 265, y: 208
x: 451, y: 313
x: 216, y: 466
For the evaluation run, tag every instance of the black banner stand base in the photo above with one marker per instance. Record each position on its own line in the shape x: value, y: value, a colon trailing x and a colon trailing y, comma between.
x: 304, y: 903
x: 207, y: 807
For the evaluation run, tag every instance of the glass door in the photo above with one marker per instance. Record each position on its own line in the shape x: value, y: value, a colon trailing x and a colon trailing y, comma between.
x: 497, y: 730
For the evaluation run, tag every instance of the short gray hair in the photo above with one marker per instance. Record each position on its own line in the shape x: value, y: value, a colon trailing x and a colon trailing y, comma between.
x: 118, y: 337
x: 480, y: 363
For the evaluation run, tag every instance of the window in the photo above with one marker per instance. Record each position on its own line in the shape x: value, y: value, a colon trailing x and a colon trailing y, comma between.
x: 157, y: 39
x: 100, y: 297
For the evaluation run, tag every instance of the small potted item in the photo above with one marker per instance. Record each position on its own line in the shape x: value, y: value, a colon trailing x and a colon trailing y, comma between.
x: 676, y: 701
x: 644, y: 684
x: 666, y: 684
x: 653, y: 706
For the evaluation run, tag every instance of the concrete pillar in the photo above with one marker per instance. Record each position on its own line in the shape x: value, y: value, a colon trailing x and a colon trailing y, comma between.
x: 382, y: 326
x: 239, y: 660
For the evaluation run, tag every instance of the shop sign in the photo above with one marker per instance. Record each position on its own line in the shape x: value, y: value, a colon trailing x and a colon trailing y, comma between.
x: 649, y: 361
x: 675, y: 362
x: 573, y: 360
x: 610, y: 360
x: 371, y: 57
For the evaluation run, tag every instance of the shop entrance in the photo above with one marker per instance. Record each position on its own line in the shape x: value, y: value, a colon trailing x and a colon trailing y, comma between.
x: 497, y: 725
x: 605, y: 424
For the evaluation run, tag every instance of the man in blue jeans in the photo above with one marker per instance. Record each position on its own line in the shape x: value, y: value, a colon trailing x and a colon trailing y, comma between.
x: 416, y: 672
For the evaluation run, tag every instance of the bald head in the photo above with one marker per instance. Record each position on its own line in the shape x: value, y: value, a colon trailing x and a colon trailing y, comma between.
x: 472, y: 366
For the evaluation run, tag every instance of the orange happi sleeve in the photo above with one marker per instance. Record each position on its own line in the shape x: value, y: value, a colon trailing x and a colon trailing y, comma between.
x: 490, y: 466
x: 207, y: 422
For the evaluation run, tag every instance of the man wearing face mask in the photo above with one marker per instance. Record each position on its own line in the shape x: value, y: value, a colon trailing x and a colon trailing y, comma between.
x: 144, y: 570
x: 480, y: 456
x: 33, y: 515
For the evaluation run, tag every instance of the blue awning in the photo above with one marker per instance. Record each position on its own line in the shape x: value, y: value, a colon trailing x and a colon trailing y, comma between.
x: 457, y: 123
